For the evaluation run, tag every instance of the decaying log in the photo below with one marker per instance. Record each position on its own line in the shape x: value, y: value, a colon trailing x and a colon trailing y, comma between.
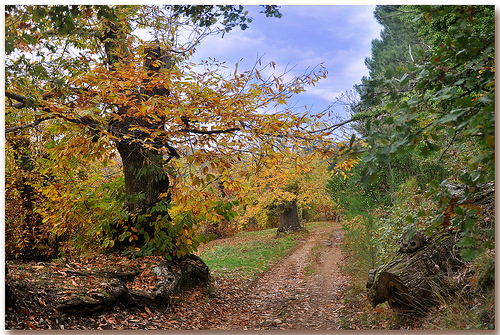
x: 424, y: 266
x: 189, y: 272
x: 413, y: 243
x: 421, y: 267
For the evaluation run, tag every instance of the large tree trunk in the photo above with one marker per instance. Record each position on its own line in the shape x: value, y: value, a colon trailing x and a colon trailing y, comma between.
x: 145, y: 181
x: 289, y: 218
x: 147, y: 184
x: 420, y: 269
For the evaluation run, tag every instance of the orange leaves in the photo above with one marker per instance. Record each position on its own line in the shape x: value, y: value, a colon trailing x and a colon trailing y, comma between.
x: 295, y: 177
x: 29, y: 324
x: 223, y: 126
x: 345, y: 166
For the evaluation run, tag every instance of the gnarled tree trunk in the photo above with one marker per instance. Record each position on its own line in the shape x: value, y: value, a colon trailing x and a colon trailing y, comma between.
x: 289, y: 217
x: 173, y: 277
x: 144, y: 170
x: 145, y: 181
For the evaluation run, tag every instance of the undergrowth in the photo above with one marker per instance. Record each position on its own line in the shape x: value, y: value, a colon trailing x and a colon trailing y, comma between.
x: 359, y: 314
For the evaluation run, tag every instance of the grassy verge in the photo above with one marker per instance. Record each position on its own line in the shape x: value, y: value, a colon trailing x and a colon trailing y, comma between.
x: 248, y: 254
x: 359, y: 314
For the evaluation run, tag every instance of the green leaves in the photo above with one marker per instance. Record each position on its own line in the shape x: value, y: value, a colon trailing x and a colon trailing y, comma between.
x: 229, y: 16
x: 439, y: 96
x: 439, y: 108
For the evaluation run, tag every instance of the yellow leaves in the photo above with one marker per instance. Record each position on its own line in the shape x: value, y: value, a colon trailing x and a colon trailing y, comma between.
x: 293, y: 177
x: 345, y: 162
x: 209, y: 99
x: 164, y: 195
x: 257, y: 74
x: 196, y: 180
x: 490, y: 139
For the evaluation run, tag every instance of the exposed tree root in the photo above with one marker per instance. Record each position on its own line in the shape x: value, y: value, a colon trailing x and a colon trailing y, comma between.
x: 172, y: 277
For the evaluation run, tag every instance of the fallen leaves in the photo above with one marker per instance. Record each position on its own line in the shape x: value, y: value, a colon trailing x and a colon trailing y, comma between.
x: 40, y: 287
x: 294, y: 301
x: 29, y: 324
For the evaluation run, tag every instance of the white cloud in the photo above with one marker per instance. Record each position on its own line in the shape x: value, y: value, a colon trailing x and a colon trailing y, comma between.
x: 337, y: 36
x: 325, y: 92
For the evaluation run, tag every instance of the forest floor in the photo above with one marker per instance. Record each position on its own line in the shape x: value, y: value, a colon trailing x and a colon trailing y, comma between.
x: 302, y: 291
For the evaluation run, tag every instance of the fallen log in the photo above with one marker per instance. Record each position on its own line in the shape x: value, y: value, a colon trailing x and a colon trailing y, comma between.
x: 421, y: 268
x: 425, y: 266
x: 172, y: 277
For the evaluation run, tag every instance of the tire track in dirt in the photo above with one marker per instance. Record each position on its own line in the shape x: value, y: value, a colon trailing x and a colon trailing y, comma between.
x: 300, y: 292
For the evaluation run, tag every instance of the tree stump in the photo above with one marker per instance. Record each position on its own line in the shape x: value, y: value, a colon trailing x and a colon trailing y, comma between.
x: 421, y: 268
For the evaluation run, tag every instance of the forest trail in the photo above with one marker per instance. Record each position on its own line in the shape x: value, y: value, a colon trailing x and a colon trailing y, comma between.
x: 300, y: 292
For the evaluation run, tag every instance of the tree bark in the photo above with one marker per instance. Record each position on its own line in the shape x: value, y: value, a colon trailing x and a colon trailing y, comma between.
x: 289, y: 218
x: 145, y: 181
x: 420, y: 269
x: 305, y: 215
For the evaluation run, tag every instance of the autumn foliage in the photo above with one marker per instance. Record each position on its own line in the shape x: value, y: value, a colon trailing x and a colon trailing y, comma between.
x: 296, y: 178
x: 135, y: 138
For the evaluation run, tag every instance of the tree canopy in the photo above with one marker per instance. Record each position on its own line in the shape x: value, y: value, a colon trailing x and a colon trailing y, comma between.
x: 88, y: 96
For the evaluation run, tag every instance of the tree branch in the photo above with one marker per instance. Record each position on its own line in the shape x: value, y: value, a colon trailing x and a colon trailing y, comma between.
x: 83, y: 120
x: 209, y: 132
x: 401, y: 12
x: 338, y: 125
x: 18, y: 97
x: 29, y: 125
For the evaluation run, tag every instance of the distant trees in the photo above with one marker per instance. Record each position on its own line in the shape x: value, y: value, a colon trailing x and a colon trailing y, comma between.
x: 285, y: 193
x: 430, y: 95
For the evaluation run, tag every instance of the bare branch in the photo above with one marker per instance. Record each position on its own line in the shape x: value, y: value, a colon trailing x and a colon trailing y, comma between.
x: 29, y: 125
x: 209, y: 132
x: 411, y: 56
x: 401, y: 12
x: 18, y: 97
x: 335, y: 126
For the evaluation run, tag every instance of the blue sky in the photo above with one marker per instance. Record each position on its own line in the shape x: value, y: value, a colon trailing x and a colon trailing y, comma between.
x: 338, y: 36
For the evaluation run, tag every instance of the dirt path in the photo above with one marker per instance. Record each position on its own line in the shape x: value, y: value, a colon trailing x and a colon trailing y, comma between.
x: 301, y: 292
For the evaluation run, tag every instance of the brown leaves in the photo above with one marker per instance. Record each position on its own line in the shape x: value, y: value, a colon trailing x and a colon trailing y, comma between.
x: 29, y: 324
x: 227, y: 304
x: 42, y: 290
